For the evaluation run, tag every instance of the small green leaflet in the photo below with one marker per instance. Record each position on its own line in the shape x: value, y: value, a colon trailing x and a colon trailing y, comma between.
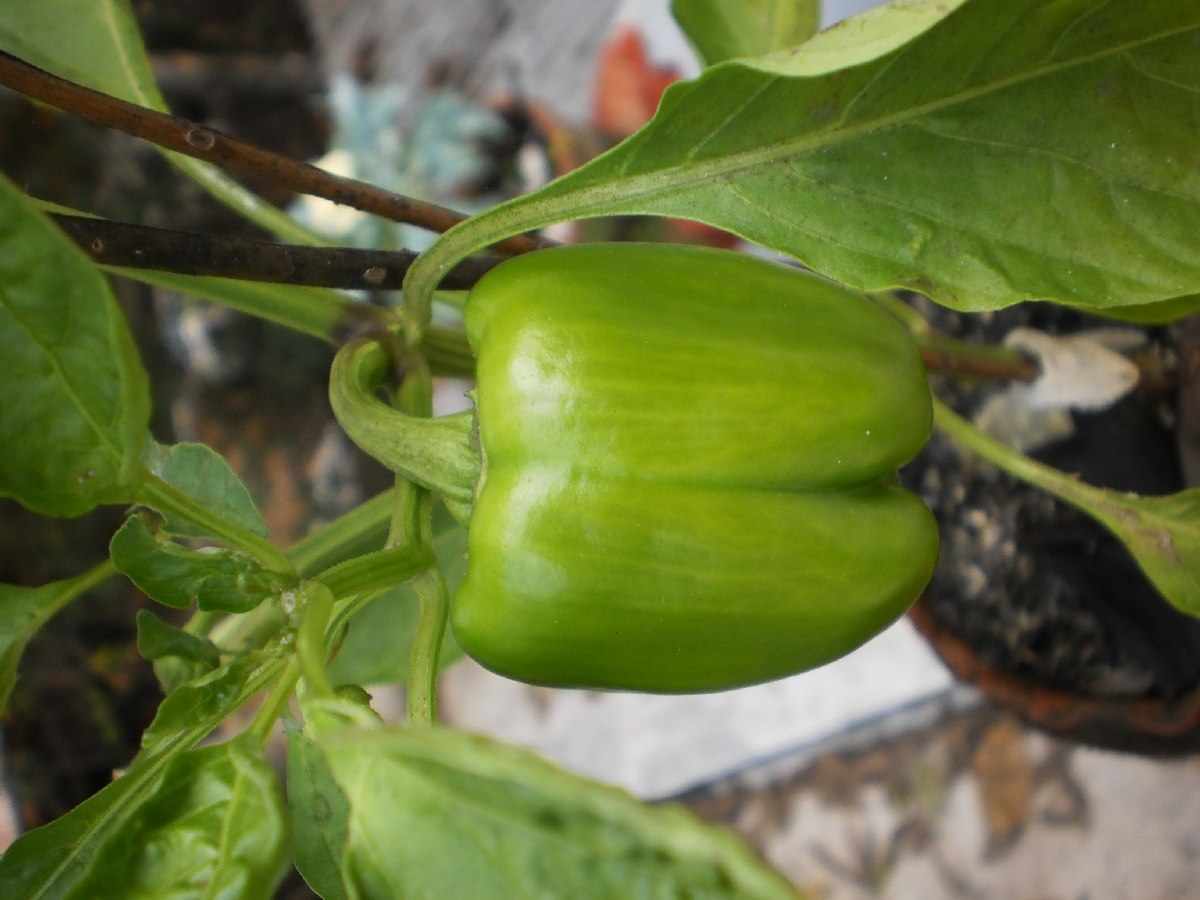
x: 77, y: 406
x: 212, y: 578
x: 725, y: 29
x: 1012, y: 149
x: 178, y: 655
x: 204, y: 476
x: 214, y: 827
x: 440, y: 813
x: 24, y: 610
x: 157, y: 640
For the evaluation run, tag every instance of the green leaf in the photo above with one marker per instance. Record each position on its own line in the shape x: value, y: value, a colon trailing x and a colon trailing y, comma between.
x: 1013, y: 149
x: 319, y: 813
x: 725, y: 29
x: 204, y: 476
x: 1161, y: 313
x: 77, y: 403
x: 439, y: 813
x: 214, y: 828
x: 212, y: 578
x: 1162, y: 533
x: 178, y: 655
x: 208, y: 698
x: 48, y: 862
x: 157, y: 640
x: 24, y: 610
x: 96, y: 43
x: 319, y: 312
x: 378, y: 645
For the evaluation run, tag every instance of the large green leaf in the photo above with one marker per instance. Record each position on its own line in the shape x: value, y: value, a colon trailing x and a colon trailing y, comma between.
x: 214, y: 828
x: 1013, y: 149
x: 24, y: 610
x: 96, y: 43
x: 439, y: 813
x: 726, y: 29
x: 51, y: 861
x: 77, y: 406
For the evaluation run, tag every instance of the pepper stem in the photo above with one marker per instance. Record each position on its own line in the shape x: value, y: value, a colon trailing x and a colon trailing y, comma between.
x: 439, y: 454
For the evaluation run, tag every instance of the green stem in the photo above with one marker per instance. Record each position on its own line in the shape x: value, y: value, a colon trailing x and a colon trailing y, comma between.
x: 94, y: 576
x: 439, y: 454
x: 360, y: 530
x: 310, y: 639
x: 77, y: 587
x: 376, y: 571
x: 430, y: 588
x: 954, y: 357
x: 274, y: 703
x: 1014, y: 463
x: 158, y: 494
x: 412, y: 527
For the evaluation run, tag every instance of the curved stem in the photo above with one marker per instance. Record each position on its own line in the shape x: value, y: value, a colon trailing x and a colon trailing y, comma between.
x: 436, y: 453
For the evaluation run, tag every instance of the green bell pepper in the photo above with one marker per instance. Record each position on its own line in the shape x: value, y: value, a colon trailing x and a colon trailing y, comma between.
x: 680, y: 474
x: 688, y: 470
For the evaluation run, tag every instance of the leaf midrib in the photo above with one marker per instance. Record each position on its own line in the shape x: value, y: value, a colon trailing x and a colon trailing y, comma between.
x: 648, y: 185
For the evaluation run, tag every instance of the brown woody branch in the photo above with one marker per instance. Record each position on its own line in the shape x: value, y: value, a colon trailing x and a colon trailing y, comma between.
x: 188, y: 253
x: 210, y: 145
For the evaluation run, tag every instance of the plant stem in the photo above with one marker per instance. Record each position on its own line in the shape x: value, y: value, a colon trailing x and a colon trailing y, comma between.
x: 165, y: 497
x: 122, y: 244
x: 362, y: 529
x: 950, y: 356
x: 310, y: 639
x: 201, y: 142
x: 274, y: 703
x: 430, y: 588
x: 436, y: 453
x: 375, y: 571
x: 1013, y: 462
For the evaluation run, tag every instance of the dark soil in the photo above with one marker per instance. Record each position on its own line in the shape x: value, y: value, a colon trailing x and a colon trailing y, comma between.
x: 1039, y: 589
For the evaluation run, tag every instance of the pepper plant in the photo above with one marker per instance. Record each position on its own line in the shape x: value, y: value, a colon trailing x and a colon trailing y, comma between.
x: 679, y: 471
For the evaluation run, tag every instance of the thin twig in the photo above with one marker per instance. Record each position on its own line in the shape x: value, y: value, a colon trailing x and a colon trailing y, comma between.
x: 965, y: 360
x: 188, y: 253
x: 210, y: 145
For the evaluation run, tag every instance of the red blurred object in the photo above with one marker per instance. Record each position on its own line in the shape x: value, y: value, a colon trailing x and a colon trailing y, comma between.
x: 629, y: 87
